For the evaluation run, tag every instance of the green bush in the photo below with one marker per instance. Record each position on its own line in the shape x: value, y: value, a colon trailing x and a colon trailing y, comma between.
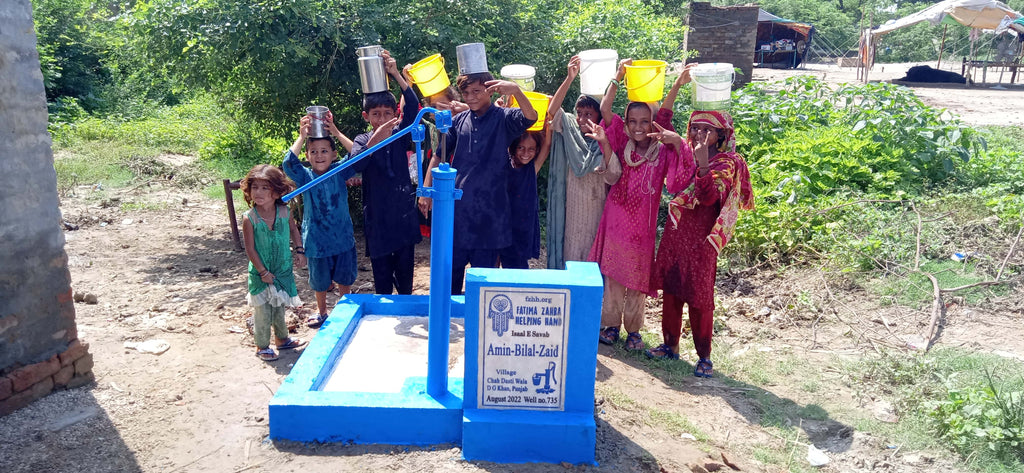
x: 234, y: 151
x: 812, y: 147
x: 179, y: 129
x: 982, y: 418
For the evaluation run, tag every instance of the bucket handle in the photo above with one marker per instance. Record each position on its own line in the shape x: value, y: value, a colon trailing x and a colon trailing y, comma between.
x: 732, y: 81
x: 439, y: 71
x: 645, y: 83
x: 715, y: 89
x: 583, y: 69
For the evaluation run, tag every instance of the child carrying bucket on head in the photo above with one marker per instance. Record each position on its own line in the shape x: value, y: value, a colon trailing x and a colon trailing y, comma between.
x: 327, y: 232
x: 624, y: 246
x: 389, y: 196
x: 477, y: 145
x: 578, y: 176
x: 444, y: 98
x: 269, y: 230
x: 703, y: 215
x: 526, y: 156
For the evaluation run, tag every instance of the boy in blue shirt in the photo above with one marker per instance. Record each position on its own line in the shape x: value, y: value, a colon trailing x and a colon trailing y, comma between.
x: 330, y: 246
x: 392, y: 226
x: 478, y: 147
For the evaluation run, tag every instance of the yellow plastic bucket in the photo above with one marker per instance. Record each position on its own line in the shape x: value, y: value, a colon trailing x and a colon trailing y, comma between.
x: 429, y: 75
x: 645, y: 80
x: 540, y: 104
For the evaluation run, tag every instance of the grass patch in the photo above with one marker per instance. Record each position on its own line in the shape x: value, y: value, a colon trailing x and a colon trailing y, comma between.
x: 130, y: 206
x: 791, y: 458
x: 675, y: 424
x: 667, y: 421
x: 618, y: 398
x: 810, y: 386
x: 180, y: 129
x: 915, y: 289
x: 86, y: 167
x: 946, y: 400
x: 114, y: 152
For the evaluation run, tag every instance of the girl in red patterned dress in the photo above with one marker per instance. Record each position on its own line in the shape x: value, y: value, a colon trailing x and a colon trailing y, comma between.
x: 703, y: 215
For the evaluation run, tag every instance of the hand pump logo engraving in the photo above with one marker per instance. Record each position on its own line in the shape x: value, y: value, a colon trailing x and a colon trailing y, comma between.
x: 500, y: 312
x: 548, y: 376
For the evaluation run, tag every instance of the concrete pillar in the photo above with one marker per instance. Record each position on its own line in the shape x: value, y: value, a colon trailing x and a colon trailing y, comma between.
x: 37, y: 314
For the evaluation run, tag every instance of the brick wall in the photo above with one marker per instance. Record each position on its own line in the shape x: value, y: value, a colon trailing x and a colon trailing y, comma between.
x: 723, y: 34
x: 39, y: 347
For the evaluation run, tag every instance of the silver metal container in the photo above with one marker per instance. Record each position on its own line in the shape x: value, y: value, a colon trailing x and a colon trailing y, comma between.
x: 472, y: 58
x: 372, y: 76
x: 365, y: 51
x: 319, y: 114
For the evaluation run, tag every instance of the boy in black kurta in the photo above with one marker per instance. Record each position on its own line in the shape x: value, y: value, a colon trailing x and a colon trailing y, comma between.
x: 478, y: 148
x: 391, y: 218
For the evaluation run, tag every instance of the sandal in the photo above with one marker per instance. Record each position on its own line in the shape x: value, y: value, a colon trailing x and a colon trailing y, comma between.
x: 291, y: 343
x: 634, y: 342
x: 661, y: 352
x: 315, y: 322
x: 608, y: 335
x: 266, y: 354
x: 704, y: 369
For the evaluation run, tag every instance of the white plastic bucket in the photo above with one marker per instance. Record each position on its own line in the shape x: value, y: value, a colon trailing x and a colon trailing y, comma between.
x: 472, y: 58
x: 712, y: 85
x: 597, y: 69
x: 520, y: 74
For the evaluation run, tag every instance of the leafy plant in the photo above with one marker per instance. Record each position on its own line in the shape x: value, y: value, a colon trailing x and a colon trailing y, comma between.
x: 810, y: 146
x: 986, y: 418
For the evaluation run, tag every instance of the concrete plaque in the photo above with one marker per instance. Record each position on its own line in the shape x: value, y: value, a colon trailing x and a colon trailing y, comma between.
x: 522, y: 350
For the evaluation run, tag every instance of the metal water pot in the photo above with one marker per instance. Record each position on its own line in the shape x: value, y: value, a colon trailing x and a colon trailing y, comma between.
x: 372, y: 76
x: 472, y: 58
x: 365, y: 51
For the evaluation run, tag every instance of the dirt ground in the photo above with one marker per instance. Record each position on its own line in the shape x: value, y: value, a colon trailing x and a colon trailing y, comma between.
x: 162, y: 266
x: 989, y: 103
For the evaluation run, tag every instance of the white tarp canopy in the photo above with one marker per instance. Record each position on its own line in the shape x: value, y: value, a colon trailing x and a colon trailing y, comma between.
x: 984, y: 14
x: 765, y: 16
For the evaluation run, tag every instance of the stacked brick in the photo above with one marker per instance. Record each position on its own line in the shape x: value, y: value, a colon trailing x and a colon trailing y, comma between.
x: 724, y: 34
x: 69, y: 369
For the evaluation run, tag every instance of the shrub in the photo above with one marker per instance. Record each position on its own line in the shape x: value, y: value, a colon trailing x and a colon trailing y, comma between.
x: 982, y: 419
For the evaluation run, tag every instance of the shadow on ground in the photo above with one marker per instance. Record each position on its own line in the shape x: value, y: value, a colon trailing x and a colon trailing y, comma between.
x: 67, y: 431
x: 615, y: 452
x: 757, y: 405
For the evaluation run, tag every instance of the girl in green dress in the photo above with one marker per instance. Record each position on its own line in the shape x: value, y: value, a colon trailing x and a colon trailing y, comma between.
x: 269, y: 233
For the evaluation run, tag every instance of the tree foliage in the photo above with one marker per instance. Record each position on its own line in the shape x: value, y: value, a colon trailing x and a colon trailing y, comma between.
x: 72, y: 44
x: 269, y: 59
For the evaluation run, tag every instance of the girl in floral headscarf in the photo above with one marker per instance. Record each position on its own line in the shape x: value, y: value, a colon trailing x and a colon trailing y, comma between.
x: 703, y: 215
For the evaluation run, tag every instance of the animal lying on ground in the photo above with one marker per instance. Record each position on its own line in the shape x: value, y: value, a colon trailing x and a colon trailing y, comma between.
x: 929, y: 74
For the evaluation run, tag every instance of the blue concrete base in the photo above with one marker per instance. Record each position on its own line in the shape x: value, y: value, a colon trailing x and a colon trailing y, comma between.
x: 528, y: 436
x: 302, y: 411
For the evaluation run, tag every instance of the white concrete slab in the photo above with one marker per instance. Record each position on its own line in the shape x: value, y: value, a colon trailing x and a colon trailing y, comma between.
x: 386, y: 350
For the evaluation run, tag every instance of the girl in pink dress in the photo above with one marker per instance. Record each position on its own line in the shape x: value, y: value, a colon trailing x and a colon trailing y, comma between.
x: 703, y: 215
x: 624, y: 246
